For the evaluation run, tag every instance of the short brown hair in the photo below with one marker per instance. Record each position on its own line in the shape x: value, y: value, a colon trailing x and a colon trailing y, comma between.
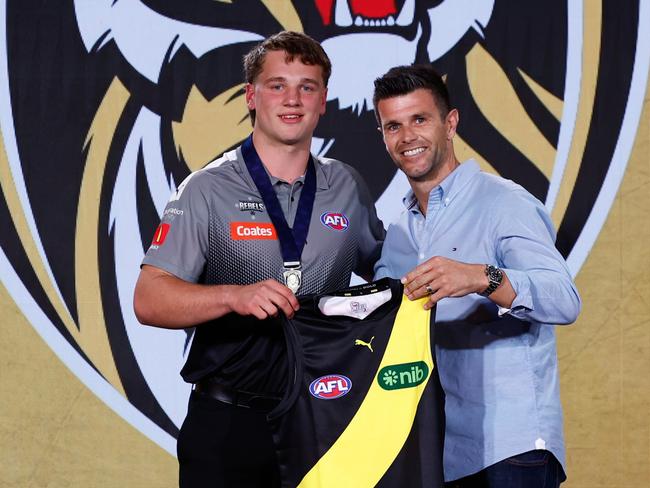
x: 294, y: 44
x: 402, y: 80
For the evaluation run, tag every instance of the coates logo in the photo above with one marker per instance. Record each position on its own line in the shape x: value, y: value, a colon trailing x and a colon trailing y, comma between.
x: 160, y: 235
x: 330, y: 386
x: 336, y: 221
x: 247, y: 231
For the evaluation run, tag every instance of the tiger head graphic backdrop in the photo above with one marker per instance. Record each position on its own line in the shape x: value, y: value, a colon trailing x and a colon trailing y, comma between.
x: 107, y: 105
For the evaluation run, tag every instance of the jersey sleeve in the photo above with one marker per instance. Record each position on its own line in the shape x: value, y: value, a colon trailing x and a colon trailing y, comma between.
x: 180, y: 243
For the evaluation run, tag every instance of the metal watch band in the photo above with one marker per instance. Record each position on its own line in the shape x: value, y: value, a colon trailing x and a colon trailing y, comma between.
x: 495, y: 277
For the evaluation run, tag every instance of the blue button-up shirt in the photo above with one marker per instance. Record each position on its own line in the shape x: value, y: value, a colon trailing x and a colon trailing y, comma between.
x: 498, y: 367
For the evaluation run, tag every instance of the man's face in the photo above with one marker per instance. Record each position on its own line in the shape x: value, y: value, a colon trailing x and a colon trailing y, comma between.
x: 417, y: 137
x: 288, y: 99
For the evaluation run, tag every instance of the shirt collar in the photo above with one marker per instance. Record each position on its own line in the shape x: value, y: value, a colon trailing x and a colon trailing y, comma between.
x: 448, y: 188
x: 321, y: 177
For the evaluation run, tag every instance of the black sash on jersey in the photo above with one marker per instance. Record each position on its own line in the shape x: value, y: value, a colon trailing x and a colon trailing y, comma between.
x: 292, y: 240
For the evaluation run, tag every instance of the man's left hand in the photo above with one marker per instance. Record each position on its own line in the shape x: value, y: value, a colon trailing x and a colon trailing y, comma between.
x: 441, y: 278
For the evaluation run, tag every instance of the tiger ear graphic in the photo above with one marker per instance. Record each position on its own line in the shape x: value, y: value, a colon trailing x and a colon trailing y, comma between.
x: 195, y: 136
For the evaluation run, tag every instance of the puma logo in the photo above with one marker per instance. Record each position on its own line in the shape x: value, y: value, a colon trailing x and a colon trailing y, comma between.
x: 359, y: 342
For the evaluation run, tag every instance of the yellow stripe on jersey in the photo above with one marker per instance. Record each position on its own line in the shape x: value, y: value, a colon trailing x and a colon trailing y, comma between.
x: 377, y: 432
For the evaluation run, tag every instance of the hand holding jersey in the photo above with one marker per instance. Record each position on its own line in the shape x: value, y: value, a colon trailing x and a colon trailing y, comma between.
x: 194, y: 303
x: 262, y: 300
x: 449, y: 278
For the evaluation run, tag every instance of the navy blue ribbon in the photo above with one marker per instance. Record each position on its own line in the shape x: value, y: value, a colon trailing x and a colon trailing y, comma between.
x: 293, y: 240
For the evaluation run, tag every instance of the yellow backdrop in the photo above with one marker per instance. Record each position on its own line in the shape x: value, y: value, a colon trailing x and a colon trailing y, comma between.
x: 54, y: 432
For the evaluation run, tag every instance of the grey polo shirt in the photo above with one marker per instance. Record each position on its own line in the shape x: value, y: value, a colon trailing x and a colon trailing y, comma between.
x: 215, y: 230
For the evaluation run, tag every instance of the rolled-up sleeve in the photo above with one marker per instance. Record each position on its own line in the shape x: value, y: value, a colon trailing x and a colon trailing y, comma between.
x: 525, y: 250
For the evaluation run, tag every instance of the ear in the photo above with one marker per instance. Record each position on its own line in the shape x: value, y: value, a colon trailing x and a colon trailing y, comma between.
x: 451, y: 123
x: 250, y: 96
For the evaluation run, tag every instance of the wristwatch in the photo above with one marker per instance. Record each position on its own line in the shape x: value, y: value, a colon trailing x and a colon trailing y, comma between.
x: 495, y: 277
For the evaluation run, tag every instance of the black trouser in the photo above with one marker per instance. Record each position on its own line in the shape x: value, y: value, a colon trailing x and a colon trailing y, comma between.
x: 222, y: 445
x: 532, y: 469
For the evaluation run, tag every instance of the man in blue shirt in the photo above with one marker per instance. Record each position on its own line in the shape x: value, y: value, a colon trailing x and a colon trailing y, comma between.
x: 482, y: 248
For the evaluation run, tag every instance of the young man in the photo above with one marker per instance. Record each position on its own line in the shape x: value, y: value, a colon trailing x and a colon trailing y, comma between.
x: 483, y: 249
x: 238, y: 240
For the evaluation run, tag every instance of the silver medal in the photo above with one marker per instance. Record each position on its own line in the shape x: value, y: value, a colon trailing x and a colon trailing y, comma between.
x: 292, y: 278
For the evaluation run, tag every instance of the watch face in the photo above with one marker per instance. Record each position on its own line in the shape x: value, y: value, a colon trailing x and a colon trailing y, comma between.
x: 494, y: 274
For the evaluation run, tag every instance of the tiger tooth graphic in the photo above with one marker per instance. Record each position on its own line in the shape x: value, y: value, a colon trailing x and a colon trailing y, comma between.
x: 342, y: 15
x: 407, y: 13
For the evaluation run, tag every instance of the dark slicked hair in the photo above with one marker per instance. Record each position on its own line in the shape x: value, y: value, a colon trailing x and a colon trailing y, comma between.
x: 295, y: 45
x: 403, y: 80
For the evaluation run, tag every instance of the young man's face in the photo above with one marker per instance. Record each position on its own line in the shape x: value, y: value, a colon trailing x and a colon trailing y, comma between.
x: 288, y: 99
x: 417, y: 137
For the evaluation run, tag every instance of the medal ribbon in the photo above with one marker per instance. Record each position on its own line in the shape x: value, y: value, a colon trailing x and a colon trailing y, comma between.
x: 292, y: 241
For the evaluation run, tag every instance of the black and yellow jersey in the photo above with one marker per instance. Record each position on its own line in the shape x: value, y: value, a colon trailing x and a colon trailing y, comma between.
x: 366, y: 407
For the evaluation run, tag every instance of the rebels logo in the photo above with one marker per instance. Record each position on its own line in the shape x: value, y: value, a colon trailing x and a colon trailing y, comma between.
x: 330, y: 386
x: 336, y: 221
x: 251, y: 206
x: 247, y: 231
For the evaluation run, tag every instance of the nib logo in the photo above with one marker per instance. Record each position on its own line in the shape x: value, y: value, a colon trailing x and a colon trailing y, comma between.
x: 405, y: 375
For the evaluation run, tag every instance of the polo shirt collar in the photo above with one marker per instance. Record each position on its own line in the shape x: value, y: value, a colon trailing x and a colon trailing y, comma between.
x: 321, y: 176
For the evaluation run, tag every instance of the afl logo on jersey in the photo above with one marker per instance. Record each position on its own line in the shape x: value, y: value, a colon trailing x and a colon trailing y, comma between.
x: 330, y: 386
x: 336, y: 221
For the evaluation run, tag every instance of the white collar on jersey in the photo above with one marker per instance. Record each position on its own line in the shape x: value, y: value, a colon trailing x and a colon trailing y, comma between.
x: 358, y: 307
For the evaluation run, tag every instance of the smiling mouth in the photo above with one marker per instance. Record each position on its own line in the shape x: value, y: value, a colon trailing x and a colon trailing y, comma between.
x: 290, y: 117
x: 413, y: 152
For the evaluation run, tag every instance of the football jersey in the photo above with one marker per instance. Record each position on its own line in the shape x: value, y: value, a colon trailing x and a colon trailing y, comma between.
x: 366, y: 407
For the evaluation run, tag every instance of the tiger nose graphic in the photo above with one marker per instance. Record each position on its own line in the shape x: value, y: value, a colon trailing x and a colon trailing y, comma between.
x: 364, y: 12
x: 376, y: 9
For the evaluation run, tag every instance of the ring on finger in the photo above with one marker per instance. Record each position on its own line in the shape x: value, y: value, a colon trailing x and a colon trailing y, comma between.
x: 429, y: 289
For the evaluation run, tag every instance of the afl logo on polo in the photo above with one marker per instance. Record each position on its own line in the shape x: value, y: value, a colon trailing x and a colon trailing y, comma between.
x: 336, y: 221
x: 330, y: 386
